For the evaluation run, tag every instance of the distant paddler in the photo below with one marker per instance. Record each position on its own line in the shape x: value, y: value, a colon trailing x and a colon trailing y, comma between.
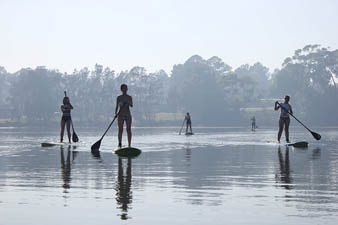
x: 66, y: 107
x: 188, y: 123
x: 122, y: 110
x: 253, y: 123
x: 284, y: 119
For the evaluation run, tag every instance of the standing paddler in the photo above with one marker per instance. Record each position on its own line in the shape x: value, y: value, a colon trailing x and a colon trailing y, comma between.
x: 123, y: 102
x: 188, y: 122
x: 284, y: 119
x: 66, y: 107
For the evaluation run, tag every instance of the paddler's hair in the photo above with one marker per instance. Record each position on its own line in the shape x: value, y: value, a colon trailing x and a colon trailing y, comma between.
x: 123, y: 86
x: 64, y: 100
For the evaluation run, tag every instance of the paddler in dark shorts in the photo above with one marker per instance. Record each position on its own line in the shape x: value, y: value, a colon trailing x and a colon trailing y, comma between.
x: 123, y: 102
x: 66, y: 118
x: 188, y: 120
x: 284, y: 119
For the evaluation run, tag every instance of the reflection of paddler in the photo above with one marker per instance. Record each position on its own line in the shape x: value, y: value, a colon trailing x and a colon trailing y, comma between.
x: 284, y: 166
x: 66, y: 168
x: 123, y: 188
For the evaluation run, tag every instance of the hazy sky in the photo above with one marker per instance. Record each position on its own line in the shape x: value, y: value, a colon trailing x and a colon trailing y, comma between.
x: 156, y: 34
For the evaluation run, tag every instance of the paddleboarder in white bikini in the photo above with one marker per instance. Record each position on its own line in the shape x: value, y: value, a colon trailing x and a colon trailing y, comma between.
x: 123, y: 102
x: 284, y: 119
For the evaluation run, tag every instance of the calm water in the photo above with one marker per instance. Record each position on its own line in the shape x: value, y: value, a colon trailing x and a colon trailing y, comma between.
x: 217, y: 176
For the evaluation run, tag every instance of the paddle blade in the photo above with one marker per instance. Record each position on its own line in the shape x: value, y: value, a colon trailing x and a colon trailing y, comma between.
x: 316, y: 136
x: 75, y: 137
x: 95, y: 147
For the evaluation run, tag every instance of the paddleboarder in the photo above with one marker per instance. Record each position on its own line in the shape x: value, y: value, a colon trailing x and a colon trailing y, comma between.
x: 123, y: 103
x: 66, y: 118
x: 188, y: 122
x: 253, y: 123
x: 284, y: 119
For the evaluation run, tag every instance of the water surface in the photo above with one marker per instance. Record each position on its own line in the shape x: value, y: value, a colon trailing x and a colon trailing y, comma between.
x: 218, y: 176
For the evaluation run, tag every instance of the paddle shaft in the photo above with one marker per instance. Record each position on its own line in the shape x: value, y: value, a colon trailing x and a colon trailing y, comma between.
x: 182, y: 126
x: 112, y: 121
x: 294, y: 117
x: 71, y: 122
x: 70, y: 116
x: 108, y: 127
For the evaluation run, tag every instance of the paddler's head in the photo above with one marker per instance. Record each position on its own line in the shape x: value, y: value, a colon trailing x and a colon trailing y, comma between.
x: 124, y: 88
x: 286, y: 98
x: 65, y: 100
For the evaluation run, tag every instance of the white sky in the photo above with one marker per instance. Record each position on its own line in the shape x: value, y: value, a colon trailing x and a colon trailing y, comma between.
x: 156, y: 34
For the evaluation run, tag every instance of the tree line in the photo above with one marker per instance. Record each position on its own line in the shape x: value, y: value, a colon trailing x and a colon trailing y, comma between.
x: 211, y: 90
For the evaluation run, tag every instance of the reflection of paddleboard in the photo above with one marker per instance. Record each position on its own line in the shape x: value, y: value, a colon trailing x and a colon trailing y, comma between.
x: 50, y: 144
x: 127, y: 152
x: 301, y: 144
x: 189, y: 133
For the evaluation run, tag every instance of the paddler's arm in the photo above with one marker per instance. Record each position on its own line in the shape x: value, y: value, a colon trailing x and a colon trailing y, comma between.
x: 277, y: 105
x: 291, y: 112
x: 117, y: 105
x: 130, y: 103
x: 70, y: 105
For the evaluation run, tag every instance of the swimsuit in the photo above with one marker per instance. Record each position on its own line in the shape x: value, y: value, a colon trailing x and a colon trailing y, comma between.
x: 65, y: 118
x: 124, y: 116
x: 66, y: 114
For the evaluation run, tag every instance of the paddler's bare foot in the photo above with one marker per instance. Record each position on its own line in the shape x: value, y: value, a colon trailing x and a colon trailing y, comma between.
x: 278, y: 142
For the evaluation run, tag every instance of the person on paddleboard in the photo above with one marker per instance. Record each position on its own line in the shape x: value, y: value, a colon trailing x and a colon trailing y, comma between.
x: 66, y: 107
x: 253, y: 123
x: 122, y: 111
x: 188, y: 120
x: 284, y: 119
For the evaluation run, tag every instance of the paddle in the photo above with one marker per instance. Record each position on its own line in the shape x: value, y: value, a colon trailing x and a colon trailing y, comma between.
x: 75, y: 138
x: 181, y: 127
x: 314, y: 134
x: 95, y: 147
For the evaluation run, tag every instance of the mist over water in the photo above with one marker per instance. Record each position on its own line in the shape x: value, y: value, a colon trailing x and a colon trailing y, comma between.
x: 212, y: 91
x: 218, y: 175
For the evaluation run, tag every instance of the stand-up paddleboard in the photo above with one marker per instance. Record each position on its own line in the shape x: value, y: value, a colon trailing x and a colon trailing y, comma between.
x: 128, y: 152
x: 189, y: 133
x: 300, y: 144
x: 51, y: 144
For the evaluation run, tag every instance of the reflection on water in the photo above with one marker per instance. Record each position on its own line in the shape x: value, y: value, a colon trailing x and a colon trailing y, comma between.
x: 123, y: 188
x: 316, y: 153
x: 284, y: 166
x: 66, y: 168
x: 200, y: 179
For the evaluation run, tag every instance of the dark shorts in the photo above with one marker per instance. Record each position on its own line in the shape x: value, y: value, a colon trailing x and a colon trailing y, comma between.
x: 126, y: 117
x: 284, y: 121
x: 189, y: 122
x: 65, y: 118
